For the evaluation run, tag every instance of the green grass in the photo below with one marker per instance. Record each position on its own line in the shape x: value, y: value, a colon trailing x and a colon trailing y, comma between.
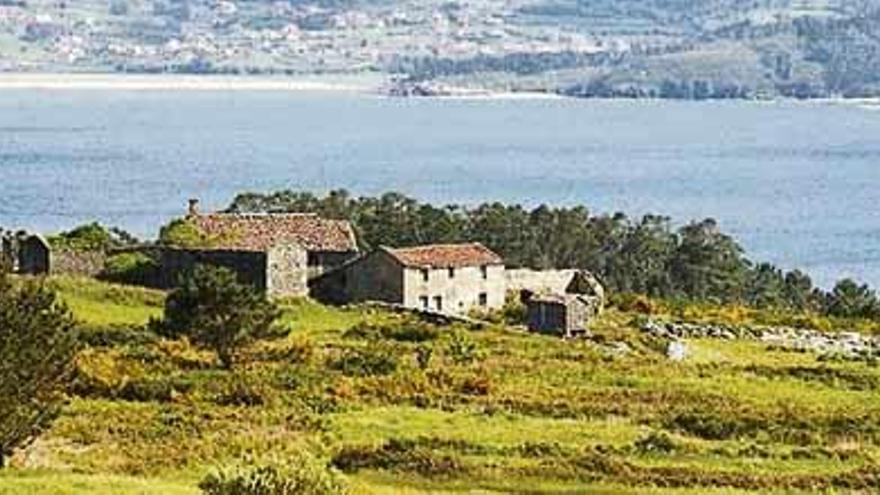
x: 101, y: 304
x: 59, y: 483
x: 528, y: 414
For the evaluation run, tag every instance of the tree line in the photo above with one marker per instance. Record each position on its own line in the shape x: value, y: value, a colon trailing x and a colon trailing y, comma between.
x: 647, y: 255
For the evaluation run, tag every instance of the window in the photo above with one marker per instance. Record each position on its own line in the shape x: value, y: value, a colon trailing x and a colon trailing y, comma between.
x: 483, y: 299
x: 438, y: 303
x: 425, y: 274
x: 484, y: 270
x: 452, y: 273
x: 423, y: 302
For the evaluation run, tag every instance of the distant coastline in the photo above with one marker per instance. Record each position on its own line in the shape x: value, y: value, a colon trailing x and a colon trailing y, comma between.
x: 365, y: 83
x: 178, y: 82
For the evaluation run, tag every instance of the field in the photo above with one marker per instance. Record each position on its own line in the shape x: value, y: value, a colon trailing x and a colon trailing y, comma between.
x: 404, y: 407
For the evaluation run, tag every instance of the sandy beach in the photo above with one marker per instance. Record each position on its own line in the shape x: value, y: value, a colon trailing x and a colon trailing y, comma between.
x: 176, y: 82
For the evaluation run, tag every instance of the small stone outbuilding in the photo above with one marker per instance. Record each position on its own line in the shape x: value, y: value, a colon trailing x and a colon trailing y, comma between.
x: 569, y: 313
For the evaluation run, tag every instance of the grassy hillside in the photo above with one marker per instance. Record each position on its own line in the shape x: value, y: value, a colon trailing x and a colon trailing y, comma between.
x: 496, y: 409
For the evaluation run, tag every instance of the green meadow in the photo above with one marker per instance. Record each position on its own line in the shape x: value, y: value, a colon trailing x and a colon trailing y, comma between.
x: 405, y: 407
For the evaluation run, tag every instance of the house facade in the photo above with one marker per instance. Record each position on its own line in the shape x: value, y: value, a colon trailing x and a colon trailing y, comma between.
x: 443, y: 278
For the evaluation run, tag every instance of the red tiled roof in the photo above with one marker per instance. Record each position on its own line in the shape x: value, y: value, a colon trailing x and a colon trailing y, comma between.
x: 446, y: 255
x: 260, y: 231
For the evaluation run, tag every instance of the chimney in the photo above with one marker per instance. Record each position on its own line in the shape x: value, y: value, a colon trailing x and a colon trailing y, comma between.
x: 193, y: 210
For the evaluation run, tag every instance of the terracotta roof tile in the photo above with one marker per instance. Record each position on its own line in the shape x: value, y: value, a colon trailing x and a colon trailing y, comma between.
x: 260, y: 231
x: 446, y: 255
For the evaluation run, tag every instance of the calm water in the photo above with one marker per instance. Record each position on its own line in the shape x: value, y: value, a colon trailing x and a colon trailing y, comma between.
x: 797, y: 183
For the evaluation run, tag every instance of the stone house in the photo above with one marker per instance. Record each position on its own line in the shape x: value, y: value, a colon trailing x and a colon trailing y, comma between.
x: 443, y: 278
x: 328, y: 243
x: 279, y: 270
x: 567, y: 313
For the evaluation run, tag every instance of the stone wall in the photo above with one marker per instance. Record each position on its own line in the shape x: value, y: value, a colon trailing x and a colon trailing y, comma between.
x: 375, y: 277
x: 287, y: 271
x: 281, y: 271
x: 76, y: 263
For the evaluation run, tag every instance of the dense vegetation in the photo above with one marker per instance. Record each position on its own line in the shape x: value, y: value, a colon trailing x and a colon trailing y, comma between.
x: 648, y: 255
x: 401, y: 406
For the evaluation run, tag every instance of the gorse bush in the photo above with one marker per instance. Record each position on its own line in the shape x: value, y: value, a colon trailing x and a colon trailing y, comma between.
x: 374, y: 360
x: 300, y: 475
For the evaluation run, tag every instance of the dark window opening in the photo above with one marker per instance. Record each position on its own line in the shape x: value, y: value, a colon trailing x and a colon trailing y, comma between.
x: 483, y: 299
x: 425, y: 274
x: 438, y: 303
x: 484, y: 270
x: 452, y: 273
x: 423, y: 302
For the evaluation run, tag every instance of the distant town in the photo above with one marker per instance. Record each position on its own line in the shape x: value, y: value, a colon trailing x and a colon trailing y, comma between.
x: 683, y: 50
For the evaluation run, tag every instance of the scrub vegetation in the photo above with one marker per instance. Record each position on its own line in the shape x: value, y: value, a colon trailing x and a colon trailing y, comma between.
x: 367, y: 401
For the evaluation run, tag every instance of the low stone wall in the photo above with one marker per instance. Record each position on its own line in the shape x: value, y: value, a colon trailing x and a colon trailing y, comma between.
x: 76, y: 263
x: 845, y: 344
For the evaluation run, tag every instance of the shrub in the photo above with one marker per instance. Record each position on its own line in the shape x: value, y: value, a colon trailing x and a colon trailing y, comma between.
x: 130, y: 268
x: 214, y: 310
x: 462, y: 349
x: 243, y: 390
x: 371, y: 361
x: 301, y: 475
x: 656, y: 442
x: 37, y: 348
x: 398, y: 455
x: 423, y: 356
x: 116, y: 335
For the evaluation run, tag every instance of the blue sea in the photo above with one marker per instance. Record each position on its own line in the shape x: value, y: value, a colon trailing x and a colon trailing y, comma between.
x: 796, y: 183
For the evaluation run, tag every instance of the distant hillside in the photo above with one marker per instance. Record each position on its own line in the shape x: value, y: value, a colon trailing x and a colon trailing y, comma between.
x: 625, y: 48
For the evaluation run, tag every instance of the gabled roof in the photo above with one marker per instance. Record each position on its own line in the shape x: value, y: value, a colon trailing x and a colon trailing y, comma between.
x: 445, y: 255
x: 261, y: 231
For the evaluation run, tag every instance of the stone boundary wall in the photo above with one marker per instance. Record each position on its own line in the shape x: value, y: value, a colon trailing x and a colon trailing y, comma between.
x: 76, y: 263
x: 845, y: 344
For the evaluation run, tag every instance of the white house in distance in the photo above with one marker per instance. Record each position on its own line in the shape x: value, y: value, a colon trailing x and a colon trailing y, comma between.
x: 445, y: 278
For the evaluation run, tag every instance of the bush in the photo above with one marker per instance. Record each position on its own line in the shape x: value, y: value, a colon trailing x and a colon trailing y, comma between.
x: 116, y: 335
x: 462, y: 349
x: 37, y: 347
x: 215, y: 311
x: 398, y: 455
x: 371, y: 361
x: 243, y: 390
x: 130, y: 268
x: 302, y: 475
x: 656, y: 442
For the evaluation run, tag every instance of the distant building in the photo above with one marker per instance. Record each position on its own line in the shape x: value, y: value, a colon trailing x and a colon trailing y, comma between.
x: 566, y: 313
x: 444, y: 278
x: 328, y: 243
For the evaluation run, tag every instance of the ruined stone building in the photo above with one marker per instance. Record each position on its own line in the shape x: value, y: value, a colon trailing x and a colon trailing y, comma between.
x: 445, y: 278
x: 327, y: 243
x: 568, y: 312
x: 275, y: 252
